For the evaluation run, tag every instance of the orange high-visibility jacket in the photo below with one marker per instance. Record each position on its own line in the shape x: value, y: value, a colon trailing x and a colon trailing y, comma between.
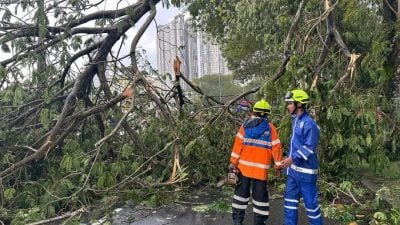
x: 254, y: 147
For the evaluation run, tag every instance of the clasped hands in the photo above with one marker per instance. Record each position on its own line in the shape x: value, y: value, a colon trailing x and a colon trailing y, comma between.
x: 284, y: 163
x: 278, y: 165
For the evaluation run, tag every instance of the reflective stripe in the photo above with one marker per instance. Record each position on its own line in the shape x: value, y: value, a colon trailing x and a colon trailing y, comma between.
x: 241, y: 198
x: 291, y: 200
x: 275, y: 142
x: 256, y: 141
x: 260, y: 203
x: 315, y: 217
x: 235, y: 155
x: 239, y: 135
x: 302, y: 155
x: 291, y: 142
x: 309, y: 150
x: 312, y: 210
x: 237, y: 206
x: 259, y: 165
x: 303, y: 170
x: 265, y: 213
x: 291, y: 207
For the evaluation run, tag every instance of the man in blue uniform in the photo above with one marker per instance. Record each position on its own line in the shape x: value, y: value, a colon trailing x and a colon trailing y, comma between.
x: 302, y: 161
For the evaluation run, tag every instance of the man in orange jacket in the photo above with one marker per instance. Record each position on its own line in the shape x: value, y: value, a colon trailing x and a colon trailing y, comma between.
x: 256, y: 143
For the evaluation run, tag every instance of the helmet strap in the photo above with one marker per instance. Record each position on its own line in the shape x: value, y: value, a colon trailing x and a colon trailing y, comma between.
x: 297, y: 106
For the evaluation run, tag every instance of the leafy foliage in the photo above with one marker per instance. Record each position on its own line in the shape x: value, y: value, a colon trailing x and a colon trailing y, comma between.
x: 357, y: 120
x: 352, y: 130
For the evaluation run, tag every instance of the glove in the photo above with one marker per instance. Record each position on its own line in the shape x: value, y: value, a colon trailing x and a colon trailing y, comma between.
x: 233, y: 168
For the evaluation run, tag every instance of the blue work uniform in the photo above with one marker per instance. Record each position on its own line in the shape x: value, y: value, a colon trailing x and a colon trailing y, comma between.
x: 302, y: 174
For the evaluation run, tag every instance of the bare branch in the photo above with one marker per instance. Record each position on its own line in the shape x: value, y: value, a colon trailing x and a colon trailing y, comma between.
x: 293, y: 26
x: 328, y: 9
x: 65, y: 216
x: 349, y: 71
x: 391, y: 8
x: 138, y: 35
x: 321, y: 59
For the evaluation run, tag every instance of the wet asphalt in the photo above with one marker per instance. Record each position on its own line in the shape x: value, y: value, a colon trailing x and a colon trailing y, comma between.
x: 187, y: 213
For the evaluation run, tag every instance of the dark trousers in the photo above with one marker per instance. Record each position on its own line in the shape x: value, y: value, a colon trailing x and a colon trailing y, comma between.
x: 260, y: 199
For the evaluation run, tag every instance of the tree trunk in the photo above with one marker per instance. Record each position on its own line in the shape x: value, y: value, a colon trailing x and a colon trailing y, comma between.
x: 393, y: 61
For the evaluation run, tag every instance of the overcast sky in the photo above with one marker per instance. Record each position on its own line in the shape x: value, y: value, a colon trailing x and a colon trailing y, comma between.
x: 149, y: 38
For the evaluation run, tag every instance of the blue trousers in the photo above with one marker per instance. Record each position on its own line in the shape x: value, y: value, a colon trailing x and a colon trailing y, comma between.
x: 308, y: 190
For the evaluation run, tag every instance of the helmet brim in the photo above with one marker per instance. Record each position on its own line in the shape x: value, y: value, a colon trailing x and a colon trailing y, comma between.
x: 261, y: 110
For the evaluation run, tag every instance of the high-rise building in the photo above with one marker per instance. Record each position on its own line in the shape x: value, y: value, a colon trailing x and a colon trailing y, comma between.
x: 210, y: 60
x: 198, y: 54
x: 164, y: 49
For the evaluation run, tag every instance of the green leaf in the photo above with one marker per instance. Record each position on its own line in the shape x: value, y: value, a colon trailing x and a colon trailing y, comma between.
x: 9, y: 193
x: 98, y: 168
x: 107, y: 179
x: 44, y: 118
x: 201, y: 208
x: 126, y: 151
x: 2, y: 72
x: 67, y: 162
x: 47, y: 97
x: 337, y: 140
x: 368, y: 139
x: 380, y: 216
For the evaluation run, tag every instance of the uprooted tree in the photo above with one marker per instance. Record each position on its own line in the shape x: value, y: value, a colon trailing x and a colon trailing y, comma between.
x: 77, y: 121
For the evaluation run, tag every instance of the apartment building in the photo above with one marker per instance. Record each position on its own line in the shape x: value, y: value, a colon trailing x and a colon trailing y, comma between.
x: 198, y: 54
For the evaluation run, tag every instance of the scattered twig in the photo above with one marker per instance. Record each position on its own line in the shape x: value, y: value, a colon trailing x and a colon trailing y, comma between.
x: 67, y: 215
x: 349, y: 194
x: 139, y: 168
x: 27, y: 147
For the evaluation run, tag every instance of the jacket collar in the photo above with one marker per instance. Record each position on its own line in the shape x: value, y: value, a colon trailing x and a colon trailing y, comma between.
x: 305, y: 113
